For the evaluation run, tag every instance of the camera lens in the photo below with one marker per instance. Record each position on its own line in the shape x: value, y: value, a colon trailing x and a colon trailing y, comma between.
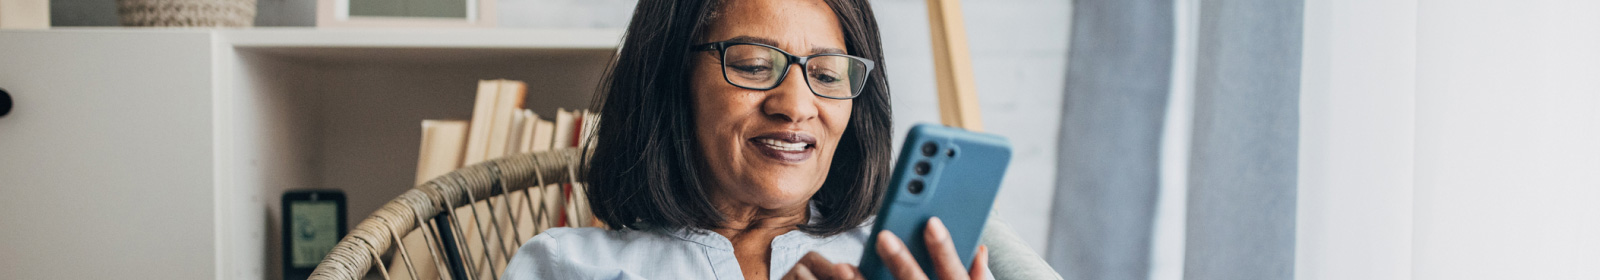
x: 915, y: 187
x: 922, y: 168
x: 928, y: 149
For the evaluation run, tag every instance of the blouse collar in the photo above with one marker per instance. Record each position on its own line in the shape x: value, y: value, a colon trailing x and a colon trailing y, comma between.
x: 793, y: 238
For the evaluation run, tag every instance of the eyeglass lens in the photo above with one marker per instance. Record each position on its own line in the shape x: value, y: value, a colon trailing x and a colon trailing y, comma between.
x: 760, y: 67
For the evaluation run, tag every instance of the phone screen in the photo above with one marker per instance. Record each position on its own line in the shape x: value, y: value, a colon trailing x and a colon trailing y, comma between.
x: 314, y: 231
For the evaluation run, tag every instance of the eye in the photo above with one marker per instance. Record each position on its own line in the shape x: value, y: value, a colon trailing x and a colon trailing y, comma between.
x: 825, y: 78
x: 751, y: 66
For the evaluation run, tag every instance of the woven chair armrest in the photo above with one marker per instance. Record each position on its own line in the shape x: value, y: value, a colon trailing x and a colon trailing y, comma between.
x: 354, y: 255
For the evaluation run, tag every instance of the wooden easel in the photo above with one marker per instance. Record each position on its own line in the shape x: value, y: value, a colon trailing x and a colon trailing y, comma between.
x: 952, y: 64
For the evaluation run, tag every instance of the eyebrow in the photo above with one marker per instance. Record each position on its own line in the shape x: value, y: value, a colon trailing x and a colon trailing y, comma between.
x: 774, y: 43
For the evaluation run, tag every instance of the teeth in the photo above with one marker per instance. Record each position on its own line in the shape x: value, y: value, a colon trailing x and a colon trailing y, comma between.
x: 784, y: 146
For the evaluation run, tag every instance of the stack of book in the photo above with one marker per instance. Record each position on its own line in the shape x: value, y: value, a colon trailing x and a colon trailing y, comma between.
x: 482, y: 236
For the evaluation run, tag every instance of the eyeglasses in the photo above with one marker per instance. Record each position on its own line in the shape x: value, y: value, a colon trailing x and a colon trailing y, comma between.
x: 762, y: 67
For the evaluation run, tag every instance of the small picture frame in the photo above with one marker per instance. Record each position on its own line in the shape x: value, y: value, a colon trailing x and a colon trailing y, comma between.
x: 406, y: 13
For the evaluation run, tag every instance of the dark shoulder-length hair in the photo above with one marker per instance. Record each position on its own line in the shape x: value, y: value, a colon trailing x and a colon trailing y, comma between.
x: 643, y: 167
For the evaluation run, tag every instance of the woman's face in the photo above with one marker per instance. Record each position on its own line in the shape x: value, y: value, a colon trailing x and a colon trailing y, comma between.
x: 772, y: 148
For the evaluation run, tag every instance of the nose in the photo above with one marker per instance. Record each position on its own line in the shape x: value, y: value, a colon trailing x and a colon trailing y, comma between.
x: 791, y: 101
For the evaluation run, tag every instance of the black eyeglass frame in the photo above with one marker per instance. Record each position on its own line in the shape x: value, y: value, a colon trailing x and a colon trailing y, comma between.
x: 722, y: 55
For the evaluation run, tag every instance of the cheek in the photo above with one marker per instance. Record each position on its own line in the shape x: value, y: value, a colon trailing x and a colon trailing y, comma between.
x: 707, y: 96
x: 837, y: 117
x: 721, y: 111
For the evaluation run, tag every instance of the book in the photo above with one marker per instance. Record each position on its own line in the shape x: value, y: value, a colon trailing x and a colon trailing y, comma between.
x: 564, y: 133
x: 548, y: 194
x: 543, y: 134
x: 441, y: 151
x: 514, y: 134
x: 442, y: 146
x: 509, y: 105
x: 530, y: 122
x: 482, y: 119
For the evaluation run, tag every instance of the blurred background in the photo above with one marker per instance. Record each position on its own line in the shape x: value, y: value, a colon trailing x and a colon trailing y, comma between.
x: 1154, y: 139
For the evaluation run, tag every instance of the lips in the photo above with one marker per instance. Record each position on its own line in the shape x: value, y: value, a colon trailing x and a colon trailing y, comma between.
x: 788, y: 147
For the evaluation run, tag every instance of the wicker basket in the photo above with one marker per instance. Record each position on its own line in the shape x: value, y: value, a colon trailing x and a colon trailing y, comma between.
x: 187, y: 13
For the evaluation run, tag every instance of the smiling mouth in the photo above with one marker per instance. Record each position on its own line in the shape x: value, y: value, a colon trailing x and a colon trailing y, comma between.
x: 789, y: 147
x: 784, y: 146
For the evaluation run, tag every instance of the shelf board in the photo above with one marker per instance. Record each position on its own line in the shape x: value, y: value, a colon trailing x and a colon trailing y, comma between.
x: 424, y: 38
x: 291, y: 37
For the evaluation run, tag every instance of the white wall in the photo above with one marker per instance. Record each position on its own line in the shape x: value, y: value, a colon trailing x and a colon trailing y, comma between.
x: 1508, y: 140
x: 1450, y: 140
x: 1356, y: 140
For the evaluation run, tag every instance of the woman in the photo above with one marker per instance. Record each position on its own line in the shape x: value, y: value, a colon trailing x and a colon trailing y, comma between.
x: 739, y: 139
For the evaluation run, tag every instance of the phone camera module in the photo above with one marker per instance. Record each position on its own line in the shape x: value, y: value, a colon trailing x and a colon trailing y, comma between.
x: 922, y: 168
x: 915, y: 187
x: 929, y: 149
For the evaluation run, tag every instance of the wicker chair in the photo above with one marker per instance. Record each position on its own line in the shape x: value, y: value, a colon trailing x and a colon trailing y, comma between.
x: 376, y: 236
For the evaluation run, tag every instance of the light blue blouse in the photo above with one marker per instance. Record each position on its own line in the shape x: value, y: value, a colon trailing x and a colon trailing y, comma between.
x: 595, y: 253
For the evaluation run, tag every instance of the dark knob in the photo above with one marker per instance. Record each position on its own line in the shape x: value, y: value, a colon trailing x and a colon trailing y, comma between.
x: 5, y: 102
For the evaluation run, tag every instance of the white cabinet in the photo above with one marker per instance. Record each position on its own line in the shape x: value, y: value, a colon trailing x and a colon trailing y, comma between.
x: 106, y: 160
x: 161, y: 153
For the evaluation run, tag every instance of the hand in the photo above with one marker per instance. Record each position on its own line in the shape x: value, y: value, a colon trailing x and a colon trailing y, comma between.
x: 946, y: 263
x: 814, y: 267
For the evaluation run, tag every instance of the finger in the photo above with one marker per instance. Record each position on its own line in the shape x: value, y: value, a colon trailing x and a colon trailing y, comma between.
x: 942, y: 252
x: 846, y: 271
x: 813, y: 259
x: 855, y: 273
x: 897, y: 258
x: 823, y: 269
x: 800, y: 272
x: 980, y: 264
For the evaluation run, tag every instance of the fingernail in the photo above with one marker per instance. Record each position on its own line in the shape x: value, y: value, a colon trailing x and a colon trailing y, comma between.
x: 844, y: 270
x: 891, y: 242
x: 937, y: 230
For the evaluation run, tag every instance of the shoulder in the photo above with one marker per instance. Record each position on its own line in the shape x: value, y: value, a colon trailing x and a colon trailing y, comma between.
x: 845, y: 247
x: 588, y: 242
x: 854, y: 236
x: 563, y: 253
x: 589, y: 235
x: 857, y: 235
x: 590, y: 253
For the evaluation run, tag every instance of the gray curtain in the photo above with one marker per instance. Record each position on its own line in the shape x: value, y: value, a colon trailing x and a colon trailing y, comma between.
x: 1243, y: 161
x: 1241, y: 196
x: 1119, y: 65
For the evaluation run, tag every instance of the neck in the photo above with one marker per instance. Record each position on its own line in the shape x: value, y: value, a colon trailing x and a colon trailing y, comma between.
x: 742, y: 219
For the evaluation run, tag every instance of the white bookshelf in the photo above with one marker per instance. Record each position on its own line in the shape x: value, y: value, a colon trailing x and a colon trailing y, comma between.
x: 206, y: 128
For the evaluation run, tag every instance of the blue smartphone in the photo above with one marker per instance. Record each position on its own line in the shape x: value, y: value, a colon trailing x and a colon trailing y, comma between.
x: 946, y: 172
